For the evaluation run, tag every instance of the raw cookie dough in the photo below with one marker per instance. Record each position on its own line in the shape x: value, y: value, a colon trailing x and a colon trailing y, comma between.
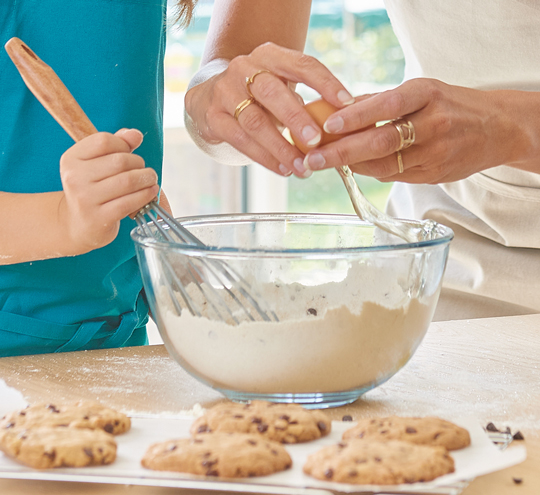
x: 420, y: 431
x: 285, y: 423
x: 226, y: 455
x: 82, y: 414
x: 43, y: 448
x: 352, y: 333
x: 380, y: 463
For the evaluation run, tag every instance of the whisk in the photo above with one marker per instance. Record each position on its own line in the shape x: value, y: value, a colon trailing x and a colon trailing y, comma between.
x: 241, y: 301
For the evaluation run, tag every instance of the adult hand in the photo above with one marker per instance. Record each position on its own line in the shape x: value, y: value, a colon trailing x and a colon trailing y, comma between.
x: 459, y: 131
x: 256, y: 130
x: 103, y: 182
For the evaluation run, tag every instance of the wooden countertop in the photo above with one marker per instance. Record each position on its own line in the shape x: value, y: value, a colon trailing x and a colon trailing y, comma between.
x: 487, y: 368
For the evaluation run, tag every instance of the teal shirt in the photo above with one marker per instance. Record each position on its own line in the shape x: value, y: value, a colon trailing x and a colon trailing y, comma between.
x: 109, y: 53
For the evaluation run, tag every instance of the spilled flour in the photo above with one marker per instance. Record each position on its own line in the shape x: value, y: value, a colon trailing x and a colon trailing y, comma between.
x: 331, y: 337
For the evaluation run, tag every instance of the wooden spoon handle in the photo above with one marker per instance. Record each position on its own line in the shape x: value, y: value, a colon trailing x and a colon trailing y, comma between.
x: 50, y: 90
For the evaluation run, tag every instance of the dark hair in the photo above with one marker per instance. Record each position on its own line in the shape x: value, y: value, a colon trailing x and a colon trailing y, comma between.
x: 183, y: 12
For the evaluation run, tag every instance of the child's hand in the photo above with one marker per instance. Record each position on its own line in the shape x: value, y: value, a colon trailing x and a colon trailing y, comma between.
x: 103, y: 183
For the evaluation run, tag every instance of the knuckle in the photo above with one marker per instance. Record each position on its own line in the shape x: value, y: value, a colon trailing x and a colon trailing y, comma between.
x: 395, y: 103
x: 441, y: 123
x: 69, y: 178
x: 264, y: 48
x: 306, y: 63
x: 266, y: 88
x: 384, y: 142
x: 343, y: 155
x: 239, y: 138
x: 102, y: 141
x: 434, y: 91
x: 254, y: 121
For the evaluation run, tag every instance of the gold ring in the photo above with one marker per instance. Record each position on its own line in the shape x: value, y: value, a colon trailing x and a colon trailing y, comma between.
x: 249, y: 80
x: 406, y: 133
x: 399, y: 162
x: 242, y: 106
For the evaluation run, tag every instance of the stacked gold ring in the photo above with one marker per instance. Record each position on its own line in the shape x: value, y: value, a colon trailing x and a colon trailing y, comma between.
x: 406, y: 132
x: 242, y: 106
x: 399, y: 162
x: 250, y: 80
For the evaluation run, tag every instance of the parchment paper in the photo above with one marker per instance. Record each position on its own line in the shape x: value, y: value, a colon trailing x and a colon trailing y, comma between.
x: 481, y: 457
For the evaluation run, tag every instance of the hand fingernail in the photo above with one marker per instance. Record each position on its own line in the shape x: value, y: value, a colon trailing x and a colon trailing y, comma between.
x: 311, y: 135
x: 314, y: 161
x: 345, y: 97
x: 284, y: 170
x: 302, y: 171
x: 333, y: 124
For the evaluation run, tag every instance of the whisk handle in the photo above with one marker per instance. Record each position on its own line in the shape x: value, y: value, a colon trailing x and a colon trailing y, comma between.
x: 48, y: 88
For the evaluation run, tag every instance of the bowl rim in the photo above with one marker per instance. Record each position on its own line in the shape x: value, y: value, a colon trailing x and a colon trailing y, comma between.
x: 446, y: 236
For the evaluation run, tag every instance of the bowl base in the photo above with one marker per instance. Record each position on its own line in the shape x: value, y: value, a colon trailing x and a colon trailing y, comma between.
x: 308, y: 401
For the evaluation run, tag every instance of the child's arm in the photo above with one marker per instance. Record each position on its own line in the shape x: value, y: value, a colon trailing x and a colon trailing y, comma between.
x: 103, y: 182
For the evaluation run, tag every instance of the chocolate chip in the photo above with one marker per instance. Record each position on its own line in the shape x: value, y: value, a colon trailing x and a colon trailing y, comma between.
x: 342, y: 445
x: 491, y: 427
x: 285, y: 417
x: 212, y: 473
x: 377, y: 459
x: 262, y: 427
x: 312, y: 311
x: 517, y: 481
x: 51, y: 455
x: 172, y: 447
x: 9, y: 425
x: 202, y: 429
x: 87, y: 417
x: 238, y: 416
x: 252, y: 442
x: 347, y: 417
x: 89, y: 453
x: 293, y: 422
x: 207, y: 463
x: 53, y: 408
x: 108, y: 428
x: 321, y: 425
x: 116, y: 422
x: 256, y: 420
x: 383, y: 432
x: 251, y: 474
x: 518, y: 436
x: 410, y: 429
x: 329, y: 473
x: 22, y: 413
x: 437, y: 435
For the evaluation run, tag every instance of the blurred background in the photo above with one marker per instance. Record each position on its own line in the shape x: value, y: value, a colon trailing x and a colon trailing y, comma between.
x: 353, y: 38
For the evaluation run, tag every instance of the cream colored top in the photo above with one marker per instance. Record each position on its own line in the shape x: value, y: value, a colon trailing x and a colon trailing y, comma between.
x: 484, y: 44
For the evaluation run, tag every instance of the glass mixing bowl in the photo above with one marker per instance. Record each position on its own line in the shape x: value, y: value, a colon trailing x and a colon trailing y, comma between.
x: 353, y: 303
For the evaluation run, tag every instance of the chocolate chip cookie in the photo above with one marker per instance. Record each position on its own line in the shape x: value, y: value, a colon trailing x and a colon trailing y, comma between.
x: 226, y: 455
x: 285, y: 423
x: 82, y: 414
x: 43, y: 448
x: 420, y: 431
x: 379, y: 463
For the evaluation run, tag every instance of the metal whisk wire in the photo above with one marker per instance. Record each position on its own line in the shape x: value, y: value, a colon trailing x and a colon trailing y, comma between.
x: 159, y: 220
